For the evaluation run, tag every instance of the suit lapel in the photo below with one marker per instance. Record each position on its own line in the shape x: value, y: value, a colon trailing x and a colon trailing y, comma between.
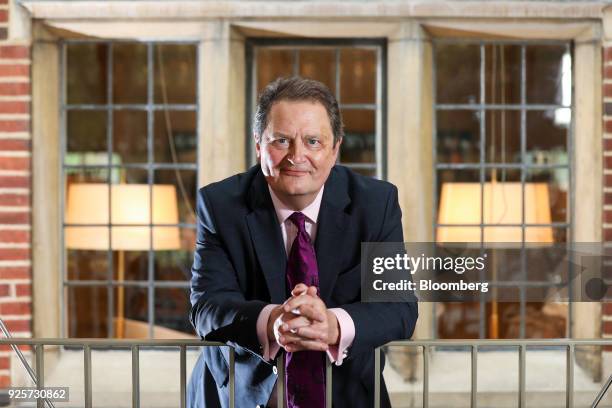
x: 267, y: 239
x: 331, y: 224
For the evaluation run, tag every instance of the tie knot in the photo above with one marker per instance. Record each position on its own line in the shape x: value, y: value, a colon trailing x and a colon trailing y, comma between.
x: 299, y: 220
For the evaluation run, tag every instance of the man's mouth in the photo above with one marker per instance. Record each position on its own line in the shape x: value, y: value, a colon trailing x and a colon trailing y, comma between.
x: 294, y: 172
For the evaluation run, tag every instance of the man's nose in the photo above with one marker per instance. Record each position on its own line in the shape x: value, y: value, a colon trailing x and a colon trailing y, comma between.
x: 297, y: 153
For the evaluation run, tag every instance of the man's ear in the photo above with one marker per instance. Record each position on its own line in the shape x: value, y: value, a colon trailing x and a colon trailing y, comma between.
x: 337, y: 146
x: 257, y: 146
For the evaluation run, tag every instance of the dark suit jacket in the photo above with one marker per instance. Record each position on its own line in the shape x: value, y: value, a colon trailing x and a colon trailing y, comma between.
x: 239, y: 267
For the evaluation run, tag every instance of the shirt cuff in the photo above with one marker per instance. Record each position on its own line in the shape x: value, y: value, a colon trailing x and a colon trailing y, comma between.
x: 338, y: 353
x: 269, y: 348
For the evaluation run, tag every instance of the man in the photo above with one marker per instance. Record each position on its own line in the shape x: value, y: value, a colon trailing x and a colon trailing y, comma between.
x: 260, y: 285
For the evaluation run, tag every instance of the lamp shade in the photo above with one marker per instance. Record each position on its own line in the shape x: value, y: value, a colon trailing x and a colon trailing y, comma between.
x: 460, y: 203
x: 130, y: 216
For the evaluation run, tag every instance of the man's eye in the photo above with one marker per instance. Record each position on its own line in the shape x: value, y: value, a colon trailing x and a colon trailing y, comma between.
x: 282, y: 140
x: 313, y: 142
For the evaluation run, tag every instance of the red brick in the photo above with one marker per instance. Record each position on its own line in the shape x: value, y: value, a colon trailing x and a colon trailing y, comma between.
x: 21, y: 325
x: 14, y: 125
x: 22, y: 347
x: 5, y: 381
x: 14, y: 254
x: 3, y: 16
x: 607, y: 90
x: 607, y: 144
x: 15, y: 70
x: 5, y: 290
x: 607, y: 217
x: 14, y: 181
x: 5, y: 362
x: 14, y: 144
x: 15, y: 163
x: 14, y: 89
x: 608, y: 162
x: 14, y: 199
x: 14, y: 236
x: 15, y: 217
x: 14, y: 51
x: 15, y: 272
x: 15, y: 308
x: 607, y: 327
x: 23, y: 289
x: 606, y: 308
x: 14, y: 106
x: 607, y: 233
x: 608, y: 126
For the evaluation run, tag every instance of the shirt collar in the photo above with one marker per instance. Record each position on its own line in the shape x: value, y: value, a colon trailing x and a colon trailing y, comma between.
x: 283, y: 212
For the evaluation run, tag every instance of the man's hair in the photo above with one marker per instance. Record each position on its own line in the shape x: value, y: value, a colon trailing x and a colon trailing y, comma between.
x: 297, y: 89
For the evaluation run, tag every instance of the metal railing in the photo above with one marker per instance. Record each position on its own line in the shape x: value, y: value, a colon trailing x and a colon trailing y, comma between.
x: 37, y: 375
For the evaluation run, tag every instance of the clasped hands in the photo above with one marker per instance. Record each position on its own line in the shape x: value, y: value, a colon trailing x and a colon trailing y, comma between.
x: 303, y: 322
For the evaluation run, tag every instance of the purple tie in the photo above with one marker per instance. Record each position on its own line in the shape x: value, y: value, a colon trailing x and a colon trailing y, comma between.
x: 304, y: 370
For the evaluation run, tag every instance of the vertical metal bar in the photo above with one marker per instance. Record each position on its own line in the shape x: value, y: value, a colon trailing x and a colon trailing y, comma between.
x: 337, y: 76
x: 109, y: 143
x: 87, y: 376
x: 232, y: 380
x: 474, y: 389
x: 280, y: 380
x: 378, y: 145
x: 482, y: 175
x: 377, y: 377
x: 150, y: 181
x: 523, y: 289
x: 328, y: 383
x: 62, y: 194
x: 569, y: 377
x: 434, y: 160
x: 426, y: 377
x: 522, y: 376
x: 183, y: 376
x: 40, y: 372
x: 135, y: 377
x: 571, y: 198
x: 296, y: 62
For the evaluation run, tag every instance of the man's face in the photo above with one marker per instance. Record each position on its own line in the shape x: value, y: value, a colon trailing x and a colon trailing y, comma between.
x: 296, y: 149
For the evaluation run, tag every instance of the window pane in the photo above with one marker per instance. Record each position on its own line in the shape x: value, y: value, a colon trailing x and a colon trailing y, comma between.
x: 551, y: 192
x: 184, y: 182
x: 359, y: 144
x: 458, y: 136
x: 548, y: 74
x: 503, y: 136
x: 87, y: 311
x: 86, y: 73
x: 319, y: 65
x: 271, y: 64
x: 547, y: 135
x: 175, y: 137
x: 86, y: 131
x: 130, y: 136
x: 82, y: 264
x: 357, y: 76
x: 457, y: 73
x: 502, y: 74
x: 175, y: 73
x: 129, y: 73
x: 175, y: 264
x: 131, y: 312
x: 172, y: 310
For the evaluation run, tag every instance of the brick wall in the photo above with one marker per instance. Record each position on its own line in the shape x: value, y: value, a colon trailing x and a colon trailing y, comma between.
x: 15, y: 170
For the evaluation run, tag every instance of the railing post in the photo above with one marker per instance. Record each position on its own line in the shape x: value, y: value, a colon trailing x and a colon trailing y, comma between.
x: 522, y: 376
x: 87, y: 380
x: 474, y: 389
x: 377, y: 377
x: 232, y: 385
x: 569, y: 379
x: 40, y: 372
x: 280, y: 380
x: 328, y: 383
x: 183, y: 376
x: 135, y: 377
x: 425, y: 376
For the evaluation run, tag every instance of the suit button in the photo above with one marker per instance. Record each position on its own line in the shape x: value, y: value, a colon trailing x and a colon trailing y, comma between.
x: 275, y: 370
